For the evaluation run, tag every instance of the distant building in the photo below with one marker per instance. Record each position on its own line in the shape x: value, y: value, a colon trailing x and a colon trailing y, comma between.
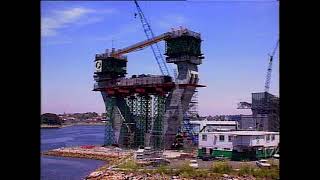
x: 214, y: 125
x: 233, y: 118
x: 247, y: 122
x: 266, y: 111
x: 250, y: 122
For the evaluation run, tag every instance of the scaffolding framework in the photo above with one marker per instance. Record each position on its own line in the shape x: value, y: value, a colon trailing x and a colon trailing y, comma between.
x: 157, y: 125
x: 141, y: 115
x: 109, y: 138
x: 191, y: 114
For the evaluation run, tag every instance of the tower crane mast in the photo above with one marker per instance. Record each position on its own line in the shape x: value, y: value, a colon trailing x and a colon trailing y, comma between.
x: 268, y: 77
x: 155, y: 47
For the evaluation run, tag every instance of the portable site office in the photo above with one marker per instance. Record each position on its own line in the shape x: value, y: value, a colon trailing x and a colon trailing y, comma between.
x: 238, y: 145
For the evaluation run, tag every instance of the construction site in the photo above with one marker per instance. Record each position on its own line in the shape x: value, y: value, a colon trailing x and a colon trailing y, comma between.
x: 151, y: 110
x: 148, y: 110
x: 152, y: 120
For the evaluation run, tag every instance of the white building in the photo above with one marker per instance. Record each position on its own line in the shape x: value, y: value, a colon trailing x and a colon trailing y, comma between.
x: 242, y: 143
x: 214, y: 125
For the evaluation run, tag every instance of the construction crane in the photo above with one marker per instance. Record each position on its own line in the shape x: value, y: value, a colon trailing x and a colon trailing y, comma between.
x: 155, y: 48
x: 246, y: 105
x: 157, y: 53
x: 268, y: 77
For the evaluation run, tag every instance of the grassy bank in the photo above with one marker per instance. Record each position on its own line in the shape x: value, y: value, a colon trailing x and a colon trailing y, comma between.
x: 86, y: 154
x: 217, y: 170
x: 77, y: 155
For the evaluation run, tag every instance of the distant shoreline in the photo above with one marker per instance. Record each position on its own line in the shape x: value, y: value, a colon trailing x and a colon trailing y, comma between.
x: 46, y: 126
x: 83, y: 123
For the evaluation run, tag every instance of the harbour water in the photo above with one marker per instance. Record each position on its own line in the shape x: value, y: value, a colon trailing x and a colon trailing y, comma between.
x: 58, y: 168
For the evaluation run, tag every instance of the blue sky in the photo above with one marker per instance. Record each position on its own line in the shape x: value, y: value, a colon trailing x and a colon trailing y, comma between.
x: 237, y: 38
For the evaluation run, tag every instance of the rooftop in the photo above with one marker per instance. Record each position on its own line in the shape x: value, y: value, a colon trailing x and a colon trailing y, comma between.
x: 215, y: 122
x: 243, y: 133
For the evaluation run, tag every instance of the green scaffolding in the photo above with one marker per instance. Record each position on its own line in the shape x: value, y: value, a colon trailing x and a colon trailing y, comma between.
x: 136, y: 112
x: 143, y: 118
x: 131, y: 125
x: 109, y: 138
x: 159, y: 109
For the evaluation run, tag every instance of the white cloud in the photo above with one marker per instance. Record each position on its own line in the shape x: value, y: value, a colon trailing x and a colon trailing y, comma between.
x: 121, y: 34
x: 106, y: 11
x: 172, y: 21
x: 65, y: 18
x: 58, y: 42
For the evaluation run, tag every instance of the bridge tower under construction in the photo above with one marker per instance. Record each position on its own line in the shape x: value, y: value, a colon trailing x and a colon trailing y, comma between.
x: 147, y: 110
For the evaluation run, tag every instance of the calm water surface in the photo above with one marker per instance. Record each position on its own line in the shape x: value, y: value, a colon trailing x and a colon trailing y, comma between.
x: 58, y: 168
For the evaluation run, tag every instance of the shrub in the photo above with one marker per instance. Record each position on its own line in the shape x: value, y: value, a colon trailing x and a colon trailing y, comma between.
x: 272, y: 173
x: 202, y: 173
x: 221, y: 167
x: 145, y: 171
x: 129, y: 165
x: 162, y: 169
x: 186, y: 168
x: 185, y: 174
x: 186, y: 171
x: 245, y: 170
x: 214, y: 176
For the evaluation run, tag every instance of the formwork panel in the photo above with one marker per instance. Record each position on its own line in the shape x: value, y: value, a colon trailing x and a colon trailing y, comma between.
x: 183, y: 45
x: 112, y: 67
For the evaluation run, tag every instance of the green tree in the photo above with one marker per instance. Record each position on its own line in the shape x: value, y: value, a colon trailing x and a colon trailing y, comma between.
x: 51, y: 119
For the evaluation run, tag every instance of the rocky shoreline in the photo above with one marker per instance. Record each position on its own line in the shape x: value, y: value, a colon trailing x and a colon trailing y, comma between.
x: 116, y: 158
x: 89, y: 152
x: 136, y: 175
